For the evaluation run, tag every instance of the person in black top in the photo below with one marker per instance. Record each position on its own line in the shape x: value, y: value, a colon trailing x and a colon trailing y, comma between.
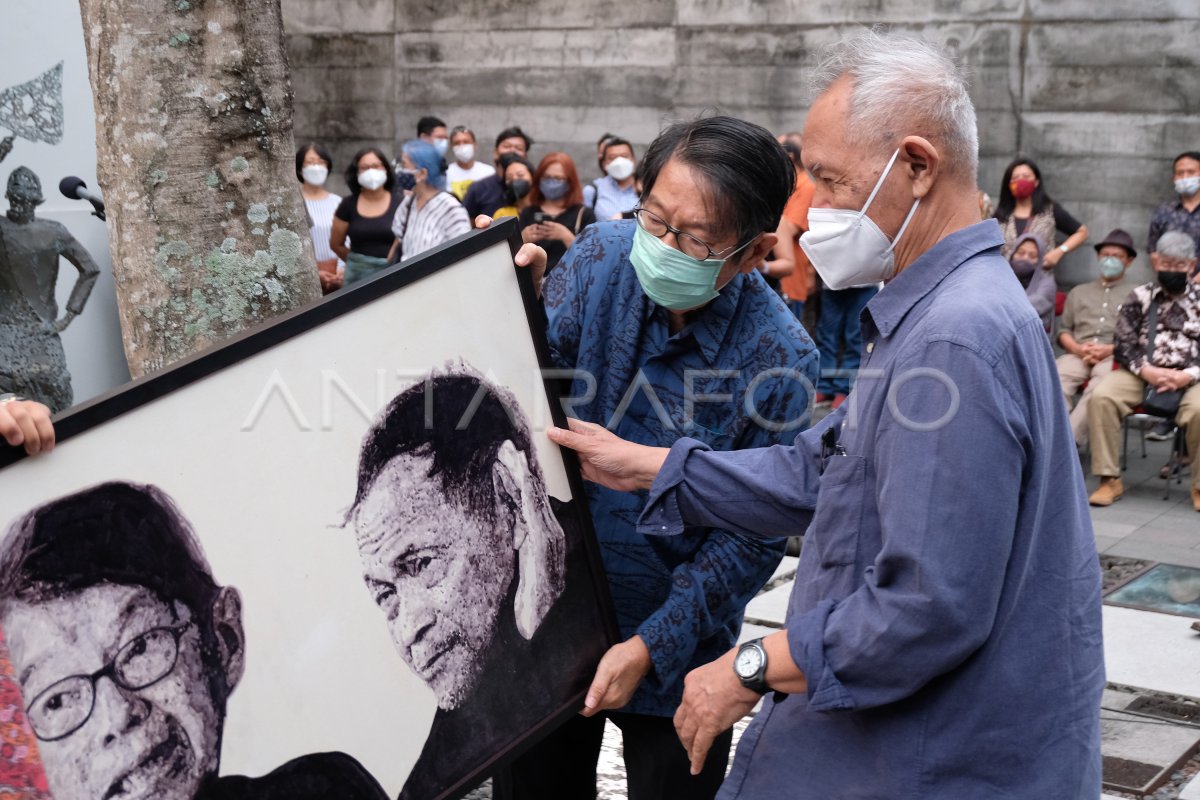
x: 1026, y: 207
x: 365, y: 215
x: 556, y: 213
x: 487, y: 194
x: 127, y: 652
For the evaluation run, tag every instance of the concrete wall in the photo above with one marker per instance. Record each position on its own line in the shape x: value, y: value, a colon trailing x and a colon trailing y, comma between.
x: 1101, y: 93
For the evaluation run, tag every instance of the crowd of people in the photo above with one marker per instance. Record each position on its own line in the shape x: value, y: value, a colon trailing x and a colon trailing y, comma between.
x: 437, y: 187
x: 944, y: 635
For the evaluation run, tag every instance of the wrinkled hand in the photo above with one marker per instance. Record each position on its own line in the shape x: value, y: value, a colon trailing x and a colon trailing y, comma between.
x: 25, y: 422
x: 609, y: 460
x: 617, y: 676
x: 1170, y: 380
x: 1051, y: 259
x: 713, y: 699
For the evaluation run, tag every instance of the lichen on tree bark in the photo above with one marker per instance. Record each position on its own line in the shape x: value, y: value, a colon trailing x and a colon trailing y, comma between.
x: 195, y: 157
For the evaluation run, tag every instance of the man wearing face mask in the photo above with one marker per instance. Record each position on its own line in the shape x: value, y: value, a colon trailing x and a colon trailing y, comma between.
x: 943, y: 639
x: 672, y: 332
x: 465, y: 170
x: 488, y: 194
x: 433, y: 130
x: 1086, y: 329
x: 1157, y: 344
x: 615, y: 193
x: 1182, y: 213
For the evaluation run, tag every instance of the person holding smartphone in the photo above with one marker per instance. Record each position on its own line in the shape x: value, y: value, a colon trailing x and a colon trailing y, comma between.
x: 556, y: 213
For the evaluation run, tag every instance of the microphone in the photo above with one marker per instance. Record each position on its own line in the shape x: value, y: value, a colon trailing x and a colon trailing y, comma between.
x: 74, y: 188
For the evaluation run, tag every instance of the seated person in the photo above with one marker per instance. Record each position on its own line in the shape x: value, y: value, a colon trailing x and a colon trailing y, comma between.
x: 127, y: 650
x: 1026, y: 262
x: 1086, y: 329
x: 1167, y: 358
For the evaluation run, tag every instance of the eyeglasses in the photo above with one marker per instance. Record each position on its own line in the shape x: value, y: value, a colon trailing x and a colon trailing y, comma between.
x: 141, y: 662
x: 657, y: 227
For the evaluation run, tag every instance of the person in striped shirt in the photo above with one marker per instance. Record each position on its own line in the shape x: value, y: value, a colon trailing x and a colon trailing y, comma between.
x: 430, y: 215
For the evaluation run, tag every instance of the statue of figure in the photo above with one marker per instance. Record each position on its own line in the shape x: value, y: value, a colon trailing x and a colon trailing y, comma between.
x: 32, y: 362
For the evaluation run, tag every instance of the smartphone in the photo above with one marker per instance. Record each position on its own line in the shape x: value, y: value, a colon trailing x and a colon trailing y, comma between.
x: 539, y: 217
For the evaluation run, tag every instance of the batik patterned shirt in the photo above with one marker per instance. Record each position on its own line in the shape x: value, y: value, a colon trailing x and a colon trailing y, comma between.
x: 1177, y: 341
x: 745, y: 357
x: 1173, y: 216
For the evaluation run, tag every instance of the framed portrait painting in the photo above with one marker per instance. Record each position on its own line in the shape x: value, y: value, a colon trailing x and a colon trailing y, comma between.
x: 336, y: 556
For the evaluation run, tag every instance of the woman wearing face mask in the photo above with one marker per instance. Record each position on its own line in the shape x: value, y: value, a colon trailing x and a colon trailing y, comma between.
x: 313, y: 165
x: 430, y: 215
x: 465, y: 170
x: 518, y: 183
x: 365, y: 216
x: 1026, y: 262
x: 1025, y: 207
x: 556, y: 213
x: 615, y: 193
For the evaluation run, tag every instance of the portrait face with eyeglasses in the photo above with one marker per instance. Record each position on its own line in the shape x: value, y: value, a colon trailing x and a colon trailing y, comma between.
x: 118, y: 691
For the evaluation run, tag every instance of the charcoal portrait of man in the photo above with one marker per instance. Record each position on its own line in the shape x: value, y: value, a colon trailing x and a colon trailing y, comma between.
x: 475, y: 567
x: 126, y: 650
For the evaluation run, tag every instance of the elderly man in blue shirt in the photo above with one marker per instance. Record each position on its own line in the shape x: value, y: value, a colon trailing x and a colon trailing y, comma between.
x: 671, y: 332
x: 943, y: 639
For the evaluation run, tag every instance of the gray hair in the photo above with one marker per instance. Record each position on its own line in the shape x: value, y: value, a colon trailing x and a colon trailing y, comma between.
x: 902, y: 86
x: 1176, y: 245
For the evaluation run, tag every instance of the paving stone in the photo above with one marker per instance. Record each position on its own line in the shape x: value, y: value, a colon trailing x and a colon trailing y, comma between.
x: 752, y: 631
x: 1140, y: 753
x: 1191, y: 790
x: 770, y: 607
x: 1151, y: 651
x: 787, y: 568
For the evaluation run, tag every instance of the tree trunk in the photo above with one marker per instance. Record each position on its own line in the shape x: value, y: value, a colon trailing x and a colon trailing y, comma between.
x: 194, y: 142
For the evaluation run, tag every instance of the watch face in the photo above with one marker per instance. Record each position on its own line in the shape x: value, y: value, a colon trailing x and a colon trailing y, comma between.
x: 747, y: 662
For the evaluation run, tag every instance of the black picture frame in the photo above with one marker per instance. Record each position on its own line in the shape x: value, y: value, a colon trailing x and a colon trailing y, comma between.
x: 135, y: 395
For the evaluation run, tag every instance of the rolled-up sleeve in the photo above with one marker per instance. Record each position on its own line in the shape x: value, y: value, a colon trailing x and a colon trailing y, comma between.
x: 765, y: 492
x: 947, y: 522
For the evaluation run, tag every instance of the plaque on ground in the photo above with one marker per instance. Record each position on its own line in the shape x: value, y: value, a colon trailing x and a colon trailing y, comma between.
x: 1166, y: 588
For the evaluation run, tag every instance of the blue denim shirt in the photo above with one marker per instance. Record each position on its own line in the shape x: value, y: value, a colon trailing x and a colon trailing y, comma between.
x: 946, y: 611
x: 685, y: 595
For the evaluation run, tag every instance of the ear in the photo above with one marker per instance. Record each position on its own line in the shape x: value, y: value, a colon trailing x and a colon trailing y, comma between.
x: 230, y: 635
x: 537, y: 538
x: 758, y: 252
x: 923, y: 163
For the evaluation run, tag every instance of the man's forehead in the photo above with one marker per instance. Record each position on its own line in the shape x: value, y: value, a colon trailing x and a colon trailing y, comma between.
x: 81, y: 626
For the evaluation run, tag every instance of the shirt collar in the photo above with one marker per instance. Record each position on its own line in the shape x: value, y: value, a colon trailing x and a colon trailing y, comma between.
x: 888, y: 308
x: 709, y: 325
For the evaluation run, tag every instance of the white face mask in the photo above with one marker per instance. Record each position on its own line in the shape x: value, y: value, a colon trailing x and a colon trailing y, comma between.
x: 619, y: 168
x: 464, y: 153
x: 372, y: 178
x: 847, y: 248
x: 315, y: 174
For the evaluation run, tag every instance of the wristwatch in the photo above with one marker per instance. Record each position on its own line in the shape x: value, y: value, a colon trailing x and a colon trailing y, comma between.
x: 750, y: 665
x: 1064, y: 249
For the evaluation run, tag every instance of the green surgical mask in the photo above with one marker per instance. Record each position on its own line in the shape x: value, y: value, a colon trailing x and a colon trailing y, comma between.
x: 1111, y: 267
x: 673, y: 279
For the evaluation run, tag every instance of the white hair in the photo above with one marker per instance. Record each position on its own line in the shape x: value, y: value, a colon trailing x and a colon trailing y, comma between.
x: 1176, y: 245
x: 903, y: 86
